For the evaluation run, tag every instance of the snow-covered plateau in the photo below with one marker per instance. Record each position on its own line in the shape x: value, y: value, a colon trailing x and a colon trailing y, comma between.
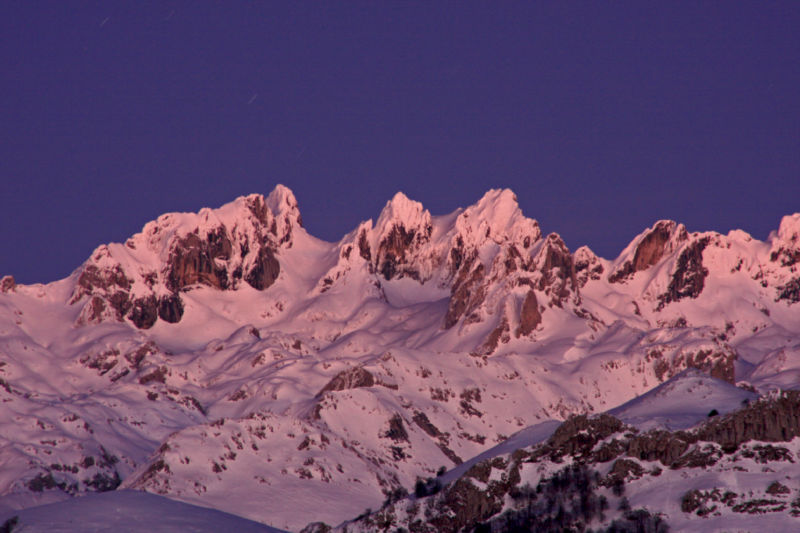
x: 230, y: 360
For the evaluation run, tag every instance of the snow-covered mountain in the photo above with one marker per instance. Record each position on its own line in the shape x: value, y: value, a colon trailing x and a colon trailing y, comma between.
x: 229, y: 359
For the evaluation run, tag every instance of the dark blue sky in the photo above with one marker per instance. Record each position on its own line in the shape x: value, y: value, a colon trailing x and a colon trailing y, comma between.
x: 603, y: 117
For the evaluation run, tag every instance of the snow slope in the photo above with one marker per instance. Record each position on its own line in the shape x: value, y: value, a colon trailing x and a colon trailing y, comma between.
x: 127, y: 511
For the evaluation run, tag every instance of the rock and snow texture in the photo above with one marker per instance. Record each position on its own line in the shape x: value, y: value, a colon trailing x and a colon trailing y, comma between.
x: 728, y: 472
x: 142, y: 279
x: 228, y: 358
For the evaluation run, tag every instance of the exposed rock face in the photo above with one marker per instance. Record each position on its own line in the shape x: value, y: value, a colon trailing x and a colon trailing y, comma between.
x: 394, y: 248
x: 498, y: 335
x: 351, y: 378
x: 264, y: 270
x: 195, y: 260
x: 397, y: 430
x: 529, y: 316
x: 493, y: 260
x: 689, y: 275
x: 775, y: 419
x: 363, y: 246
x: 587, y: 266
x: 214, y: 248
x: 790, y: 291
x: 786, y: 246
x: 554, y: 262
x: 7, y: 284
x: 466, y: 293
x: 579, y: 434
x: 108, y: 288
x: 716, y: 360
x: 516, y: 274
x: 655, y: 243
x: 144, y: 312
x: 401, y: 232
x: 170, y: 308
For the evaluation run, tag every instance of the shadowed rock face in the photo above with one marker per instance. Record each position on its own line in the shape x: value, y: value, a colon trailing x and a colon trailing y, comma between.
x: 465, y: 293
x: 649, y: 250
x: 718, y: 363
x: 265, y: 270
x: 772, y: 420
x: 93, y: 277
x: 558, y: 272
x: 170, y: 308
x: 498, y: 335
x: 7, y: 284
x: 790, y: 291
x: 587, y: 266
x: 786, y: 256
x: 550, y: 271
x: 108, y: 287
x: 352, y: 378
x: 144, y: 312
x: 786, y: 248
x: 579, y: 434
x: 259, y: 208
x: 219, y: 259
x: 363, y: 247
x: 395, y: 249
x: 529, y: 316
x: 193, y: 260
x: 689, y: 277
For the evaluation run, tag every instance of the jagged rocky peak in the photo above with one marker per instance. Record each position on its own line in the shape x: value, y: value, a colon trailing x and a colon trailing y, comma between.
x: 504, y: 272
x: 785, y: 248
x: 218, y: 248
x: 491, y: 241
x: 403, y: 227
x: 511, y: 291
x: 283, y: 206
x: 648, y: 248
x: 587, y: 265
x: 498, y: 218
x: 555, y: 270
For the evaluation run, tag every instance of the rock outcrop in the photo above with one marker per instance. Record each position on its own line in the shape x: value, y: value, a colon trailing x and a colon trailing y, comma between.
x: 142, y: 281
x: 587, y: 266
x: 785, y: 249
x: 688, y: 277
x: 7, y: 284
x: 649, y: 248
x: 352, y: 378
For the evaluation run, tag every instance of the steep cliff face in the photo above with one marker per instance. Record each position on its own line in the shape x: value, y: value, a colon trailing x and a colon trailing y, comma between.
x: 398, y: 240
x: 502, y: 271
x: 142, y: 281
x: 648, y: 249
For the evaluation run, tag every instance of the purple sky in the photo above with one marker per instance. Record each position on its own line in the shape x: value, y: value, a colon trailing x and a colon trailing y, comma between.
x: 602, y: 117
